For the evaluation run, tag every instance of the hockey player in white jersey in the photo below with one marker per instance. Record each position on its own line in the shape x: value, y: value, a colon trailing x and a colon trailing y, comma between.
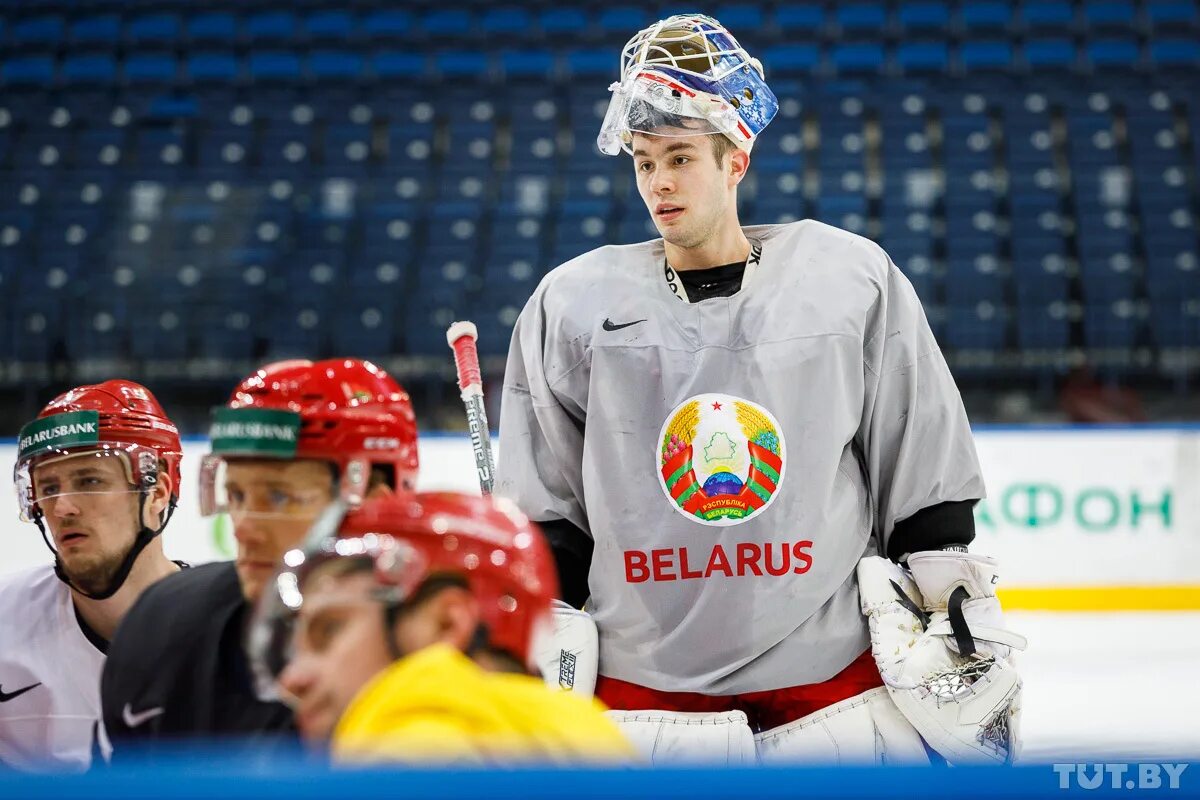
x: 98, y: 473
x: 752, y: 461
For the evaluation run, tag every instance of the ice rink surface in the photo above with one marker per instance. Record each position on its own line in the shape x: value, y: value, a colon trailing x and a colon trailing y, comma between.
x: 1124, y: 685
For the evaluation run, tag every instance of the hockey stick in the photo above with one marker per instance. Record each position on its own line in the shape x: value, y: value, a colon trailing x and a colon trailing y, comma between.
x: 461, y: 337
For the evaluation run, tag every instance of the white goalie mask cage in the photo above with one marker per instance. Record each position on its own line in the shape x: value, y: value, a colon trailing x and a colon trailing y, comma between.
x: 683, y: 76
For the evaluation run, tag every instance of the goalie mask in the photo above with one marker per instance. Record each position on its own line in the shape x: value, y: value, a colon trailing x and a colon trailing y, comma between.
x: 683, y: 76
x: 106, y: 439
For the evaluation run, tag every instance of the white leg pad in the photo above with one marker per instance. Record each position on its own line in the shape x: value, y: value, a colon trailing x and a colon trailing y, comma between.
x: 568, y: 655
x: 669, y: 737
x: 864, y: 729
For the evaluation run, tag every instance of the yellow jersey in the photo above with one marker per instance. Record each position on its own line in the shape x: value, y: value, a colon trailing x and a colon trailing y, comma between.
x: 437, y: 706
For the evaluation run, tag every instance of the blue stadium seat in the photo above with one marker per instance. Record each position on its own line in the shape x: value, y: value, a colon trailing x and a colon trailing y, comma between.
x: 159, y: 335
x: 496, y: 313
x: 448, y: 23
x: 336, y: 65
x: 923, y: 17
x: 274, y: 65
x: 296, y: 330
x: 517, y: 233
x: 1109, y: 14
x: 1041, y: 280
x: 1174, y: 53
x: 145, y: 68
x: 388, y: 24
x: 330, y: 25
x: 366, y: 327
x: 559, y: 21
x: 1176, y: 324
x: 527, y: 64
x: 1172, y: 14
x: 803, y: 19
x: 1107, y: 277
x: 622, y: 21
x: 915, y: 57
x: 429, y: 316
x: 35, y: 326
x: 1050, y: 53
x: 579, y: 233
x: 390, y: 226
x: 88, y: 68
x: 861, y: 18
x: 972, y: 280
x: 863, y: 57
x: 397, y: 64
x: 1108, y: 53
x: 37, y: 31
x: 347, y: 148
x: 97, y: 331
x: 1043, y: 327
x: 463, y: 64
x: 982, y: 328
x: 792, y: 59
x: 983, y: 55
x: 985, y: 16
x: 99, y: 29
x: 507, y: 21
x: 155, y: 30
x: 213, y: 67
x: 217, y: 27
x: 742, y: 17
x: 591, y: 63
x: 1047, y: 15
x: 271, y: 26
x: 1108, y: 327
x: 28, y: 71
x: 228, y: 330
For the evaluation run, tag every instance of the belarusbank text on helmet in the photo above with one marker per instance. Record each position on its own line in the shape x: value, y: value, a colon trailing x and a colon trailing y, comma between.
x: 253, y: 430
x: 57, y: 432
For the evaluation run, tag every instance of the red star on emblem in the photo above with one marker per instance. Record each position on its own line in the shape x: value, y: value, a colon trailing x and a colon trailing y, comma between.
x: 716, y: 406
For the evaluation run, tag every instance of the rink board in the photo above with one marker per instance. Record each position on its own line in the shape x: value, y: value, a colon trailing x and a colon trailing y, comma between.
x: 1081, y: 519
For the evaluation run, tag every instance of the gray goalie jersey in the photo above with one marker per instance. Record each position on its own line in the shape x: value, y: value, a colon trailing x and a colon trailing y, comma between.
x: 732, y: 459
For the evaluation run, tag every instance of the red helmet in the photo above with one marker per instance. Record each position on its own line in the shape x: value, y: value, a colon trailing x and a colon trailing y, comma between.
x: 345, y: 411
x: 119, y: 416
x: 501, y: 554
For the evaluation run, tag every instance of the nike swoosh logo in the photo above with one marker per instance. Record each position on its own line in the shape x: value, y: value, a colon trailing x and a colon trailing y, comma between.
x: 133, y: 720
x: 6, y: 696
x: 609, y: 325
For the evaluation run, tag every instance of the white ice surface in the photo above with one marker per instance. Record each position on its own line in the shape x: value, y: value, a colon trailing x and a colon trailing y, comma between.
x: 1125, y: 685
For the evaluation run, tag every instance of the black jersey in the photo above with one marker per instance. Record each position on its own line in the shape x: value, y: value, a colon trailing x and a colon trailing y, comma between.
x: 177, y: 668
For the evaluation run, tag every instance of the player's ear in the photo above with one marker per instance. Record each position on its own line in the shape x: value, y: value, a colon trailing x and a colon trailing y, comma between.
x: 160, y: 498
x: 456, y: 616
x: 739, y: 163
x: 380, y: 490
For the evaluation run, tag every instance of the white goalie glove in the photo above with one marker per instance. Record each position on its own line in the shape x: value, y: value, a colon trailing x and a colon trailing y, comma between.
x: 569, y: 658
x: 938, y: 638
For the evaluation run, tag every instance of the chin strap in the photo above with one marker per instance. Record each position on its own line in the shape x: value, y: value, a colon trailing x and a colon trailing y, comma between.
x: 144, y: 537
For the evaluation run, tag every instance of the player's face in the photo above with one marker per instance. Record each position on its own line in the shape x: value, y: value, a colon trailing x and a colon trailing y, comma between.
x: 339, y: 645
x: 272, y: 505
x: 91, y: 510
x: 683, y: 186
